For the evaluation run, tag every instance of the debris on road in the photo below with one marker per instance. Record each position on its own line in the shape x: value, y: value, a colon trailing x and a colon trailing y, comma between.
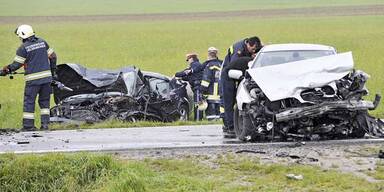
x: 295, y: 177
x: 22, y: 142
x: 251, y: 151
x: 8, y: 131
x: 381, y: 154
x: 297, y: 144
x: 36, y: 135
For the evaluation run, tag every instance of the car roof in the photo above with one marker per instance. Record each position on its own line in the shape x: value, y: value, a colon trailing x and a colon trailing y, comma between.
x: 296, y: 46
x: 156, y: 75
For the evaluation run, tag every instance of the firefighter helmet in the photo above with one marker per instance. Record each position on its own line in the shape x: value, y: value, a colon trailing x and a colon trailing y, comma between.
x: 24, y: 31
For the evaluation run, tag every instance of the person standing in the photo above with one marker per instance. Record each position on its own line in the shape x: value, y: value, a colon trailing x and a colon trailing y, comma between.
x: 193, y: 74
x: 243, y: 48
x: 210, y: 84
x: 39, y: 62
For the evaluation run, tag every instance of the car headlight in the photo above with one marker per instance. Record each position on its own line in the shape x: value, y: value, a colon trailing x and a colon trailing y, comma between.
x: 253, y: 93
x: 256, y: 93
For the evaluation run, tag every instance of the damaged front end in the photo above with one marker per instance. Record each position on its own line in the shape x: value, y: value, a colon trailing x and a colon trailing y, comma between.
x: 331, y: 110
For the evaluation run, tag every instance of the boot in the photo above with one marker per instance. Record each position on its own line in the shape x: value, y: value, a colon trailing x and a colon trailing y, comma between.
x: 225, y: 129
x: 44, y: 128
x: 230, y: 134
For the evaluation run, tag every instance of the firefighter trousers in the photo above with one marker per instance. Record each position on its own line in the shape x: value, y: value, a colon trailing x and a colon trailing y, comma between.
x: 30, y: 94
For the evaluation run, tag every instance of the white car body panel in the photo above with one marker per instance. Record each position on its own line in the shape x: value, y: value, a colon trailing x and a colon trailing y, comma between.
x: 242, y: 95
x: 288, y: 80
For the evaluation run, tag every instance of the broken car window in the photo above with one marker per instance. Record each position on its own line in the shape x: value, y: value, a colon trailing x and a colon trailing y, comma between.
x: 159, y: 86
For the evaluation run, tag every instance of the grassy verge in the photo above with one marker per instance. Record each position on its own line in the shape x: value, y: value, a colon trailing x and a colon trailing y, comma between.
x: 112, y: 7
x: 87, y: 172
x: 377, y: 173
x: 55, y: 172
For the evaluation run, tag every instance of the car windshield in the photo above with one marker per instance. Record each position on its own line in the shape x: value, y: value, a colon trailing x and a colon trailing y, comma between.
x: 130, y: 82
x: 279, y: 57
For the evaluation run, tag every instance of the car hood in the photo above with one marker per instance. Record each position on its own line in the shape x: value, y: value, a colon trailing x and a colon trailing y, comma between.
x: 288, y: 80
x: 93, y: 81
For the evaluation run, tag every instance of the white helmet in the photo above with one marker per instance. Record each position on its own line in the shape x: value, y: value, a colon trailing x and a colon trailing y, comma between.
x: 212, y: 49
x: 24, y: 31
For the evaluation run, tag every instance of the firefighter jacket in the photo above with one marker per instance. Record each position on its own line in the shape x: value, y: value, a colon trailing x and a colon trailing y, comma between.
x: 210, y: 81
x: 194, y: 75
x: 34, y: 54
x: 237, y: 50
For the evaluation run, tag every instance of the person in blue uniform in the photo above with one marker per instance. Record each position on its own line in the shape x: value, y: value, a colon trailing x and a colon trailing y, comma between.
x: 244, y: 48
x: 39, y: 62
x: 193, y: 74
x: 210, y: 84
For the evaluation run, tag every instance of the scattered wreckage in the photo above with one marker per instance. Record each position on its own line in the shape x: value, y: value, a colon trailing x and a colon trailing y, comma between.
x: 128, y: 95
x: 303, y: 92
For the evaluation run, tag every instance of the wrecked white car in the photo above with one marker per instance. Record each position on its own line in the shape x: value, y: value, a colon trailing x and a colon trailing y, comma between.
x: 303, y: 92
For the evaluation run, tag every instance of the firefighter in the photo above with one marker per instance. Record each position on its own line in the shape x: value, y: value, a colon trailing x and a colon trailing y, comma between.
x: 244, y: 48
x: 39, y: 62
x: 193, y: 74
x: 210, y: 84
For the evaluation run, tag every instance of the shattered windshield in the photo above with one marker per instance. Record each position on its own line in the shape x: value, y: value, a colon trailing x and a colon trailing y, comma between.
x: 279, y: 57
x: 130, y: 81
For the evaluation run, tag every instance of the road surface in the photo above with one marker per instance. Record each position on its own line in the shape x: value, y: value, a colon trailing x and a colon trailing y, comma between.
x: 112, y: 139
x: 125, y: 139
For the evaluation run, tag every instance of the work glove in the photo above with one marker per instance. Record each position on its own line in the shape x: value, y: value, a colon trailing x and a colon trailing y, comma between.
x: 4, y: 71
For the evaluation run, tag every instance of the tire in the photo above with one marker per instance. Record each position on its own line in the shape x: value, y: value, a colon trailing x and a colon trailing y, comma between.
x: 242, y: 125
x: 184, y: 112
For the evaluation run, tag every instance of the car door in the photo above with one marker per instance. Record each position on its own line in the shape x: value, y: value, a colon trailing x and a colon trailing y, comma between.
x: 161, y: 102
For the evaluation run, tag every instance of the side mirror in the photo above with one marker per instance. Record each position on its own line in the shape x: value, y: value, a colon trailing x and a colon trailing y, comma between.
x: 235, y: 74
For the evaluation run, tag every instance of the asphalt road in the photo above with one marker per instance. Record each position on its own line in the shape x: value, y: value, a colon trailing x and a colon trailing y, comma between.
x: 125, y: 139
x: 112, y: 139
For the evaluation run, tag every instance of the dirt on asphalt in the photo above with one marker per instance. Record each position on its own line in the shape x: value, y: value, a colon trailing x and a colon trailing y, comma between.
x: 257, y: 13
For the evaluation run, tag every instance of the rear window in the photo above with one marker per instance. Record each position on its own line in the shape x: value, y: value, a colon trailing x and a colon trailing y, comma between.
x: 279, y: 57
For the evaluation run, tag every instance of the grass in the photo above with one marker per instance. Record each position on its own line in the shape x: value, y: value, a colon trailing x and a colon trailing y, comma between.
x: 161, y: 45
x: 112, y: 7
x: 120, y: 124
x: 55, y: 172
x: 91, y: 172
x: 378, y: 173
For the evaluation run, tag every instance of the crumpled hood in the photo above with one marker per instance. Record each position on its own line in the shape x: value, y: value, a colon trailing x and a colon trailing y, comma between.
x: 288, y: 80
x: 87, y: 81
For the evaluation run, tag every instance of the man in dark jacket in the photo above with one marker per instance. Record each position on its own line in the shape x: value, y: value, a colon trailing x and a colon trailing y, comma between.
x: 210, y: 84
x: 193, y: 74
x: 244, y: 48
x: 39, y: 62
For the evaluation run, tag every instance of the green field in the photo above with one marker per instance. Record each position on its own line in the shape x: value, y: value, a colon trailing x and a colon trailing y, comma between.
x: 90, y: 172
x: 160, y: 46
x: 113, y: 7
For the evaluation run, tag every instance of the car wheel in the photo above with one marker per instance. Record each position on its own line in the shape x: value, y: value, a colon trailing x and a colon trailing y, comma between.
x: 184, y: 112
x: 131, y: 119
x: 242, y: 125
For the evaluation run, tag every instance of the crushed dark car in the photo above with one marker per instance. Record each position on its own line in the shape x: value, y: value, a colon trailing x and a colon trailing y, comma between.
x: 128, y: 94
x: 304, y: 92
